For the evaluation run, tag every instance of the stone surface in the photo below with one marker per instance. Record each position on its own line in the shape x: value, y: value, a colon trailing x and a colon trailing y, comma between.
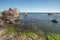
x: 11, y: 14
x: 1, y: 22
x: 0, y: 15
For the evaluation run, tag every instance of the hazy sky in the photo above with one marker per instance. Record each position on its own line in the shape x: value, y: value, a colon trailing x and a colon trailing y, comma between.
x: 31, y: 5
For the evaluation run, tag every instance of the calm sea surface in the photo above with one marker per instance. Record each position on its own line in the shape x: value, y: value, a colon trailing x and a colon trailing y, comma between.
x: 44, y: 20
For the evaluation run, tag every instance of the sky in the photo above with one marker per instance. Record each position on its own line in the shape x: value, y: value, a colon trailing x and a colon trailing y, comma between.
x: 31, y: 5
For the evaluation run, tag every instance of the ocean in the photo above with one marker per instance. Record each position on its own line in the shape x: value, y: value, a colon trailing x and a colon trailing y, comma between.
x: 44, y: 20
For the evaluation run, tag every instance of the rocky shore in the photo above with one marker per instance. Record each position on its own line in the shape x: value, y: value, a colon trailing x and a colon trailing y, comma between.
x: 10, y: 27
x: 11, y: 34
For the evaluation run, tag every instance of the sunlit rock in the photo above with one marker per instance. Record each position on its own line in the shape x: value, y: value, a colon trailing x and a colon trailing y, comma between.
x: 0, y: 14
x: 11, y: 14
x: 1, y: 22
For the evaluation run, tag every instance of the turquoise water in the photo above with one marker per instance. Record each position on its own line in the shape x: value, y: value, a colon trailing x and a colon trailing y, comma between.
x: 44, y: 20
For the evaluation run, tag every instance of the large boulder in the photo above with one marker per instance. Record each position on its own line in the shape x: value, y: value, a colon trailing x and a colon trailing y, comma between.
x: 10, y: 14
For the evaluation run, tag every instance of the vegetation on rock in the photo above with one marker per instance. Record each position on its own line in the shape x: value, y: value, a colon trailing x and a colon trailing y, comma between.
x: 52, y: 36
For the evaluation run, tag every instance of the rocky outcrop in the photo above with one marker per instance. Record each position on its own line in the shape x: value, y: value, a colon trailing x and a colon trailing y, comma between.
x: 25, y: 14
x: 10, y: 15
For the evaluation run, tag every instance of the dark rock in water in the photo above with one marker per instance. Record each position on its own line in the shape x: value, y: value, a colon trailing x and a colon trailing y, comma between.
x: 54, y: 21
x: 49, y: 13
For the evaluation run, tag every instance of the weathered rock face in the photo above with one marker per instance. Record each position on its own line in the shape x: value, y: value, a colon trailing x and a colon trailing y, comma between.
x: 11, y: 14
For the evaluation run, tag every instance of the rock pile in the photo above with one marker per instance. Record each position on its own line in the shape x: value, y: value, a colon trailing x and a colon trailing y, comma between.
x: 10, y: 15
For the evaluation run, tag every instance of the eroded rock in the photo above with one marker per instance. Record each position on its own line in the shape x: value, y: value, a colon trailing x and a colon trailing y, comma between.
x: 10, y: 15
